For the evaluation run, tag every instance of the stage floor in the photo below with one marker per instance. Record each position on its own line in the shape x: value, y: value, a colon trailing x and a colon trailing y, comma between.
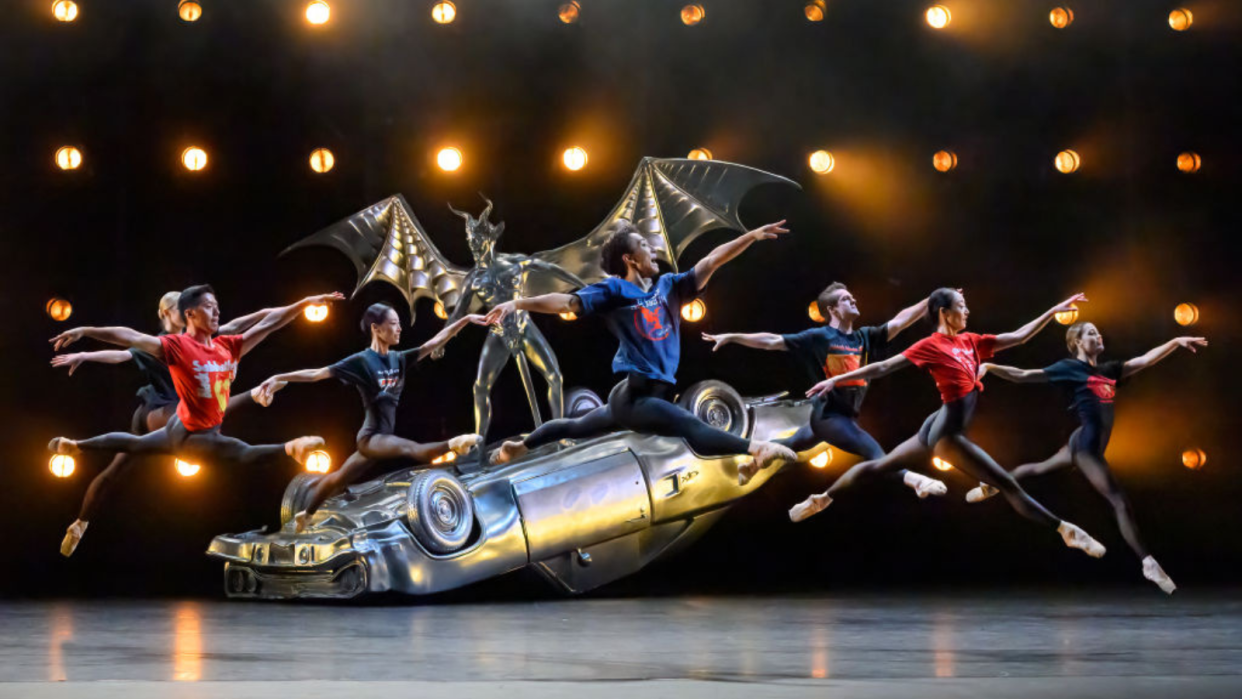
x: 1062, y: 646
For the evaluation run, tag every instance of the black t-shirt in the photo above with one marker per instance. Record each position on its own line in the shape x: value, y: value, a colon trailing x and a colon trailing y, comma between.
x: 1090, y: 389
x: 159, y: 390
x: 379, y: 380
x: 825, y: 352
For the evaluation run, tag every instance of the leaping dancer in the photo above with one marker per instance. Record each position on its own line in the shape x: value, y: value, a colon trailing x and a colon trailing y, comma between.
x: 952, y: 356
x: 832, y: 350
x: 641, y: 308
x: 1091, y: 388
x: 378, y: 372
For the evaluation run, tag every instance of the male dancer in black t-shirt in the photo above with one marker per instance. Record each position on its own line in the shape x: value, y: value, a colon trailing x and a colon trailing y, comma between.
x: 831, y: 350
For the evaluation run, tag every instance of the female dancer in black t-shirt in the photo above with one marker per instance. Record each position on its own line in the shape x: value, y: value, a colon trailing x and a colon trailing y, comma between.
x: 1091, y: 387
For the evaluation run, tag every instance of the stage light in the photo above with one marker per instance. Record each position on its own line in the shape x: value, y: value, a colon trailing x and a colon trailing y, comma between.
x: 938, y: 16
x: 189, y: 10
x: 1188, y: 162
x: 700, y: 154
x: 449, y: 159
x: 813, y: 312
x: 1186, y: 314
x: 61, y: 466
x: 1061, y: 17
x: 68, y: 158
x: 692, y: 15
x: 822, y: 459
x: 319, y: 461
x: 822, y: 162
x: 568, y: 316
x: 444, y: 12
x: 318, y: 12
x: 187, y: 469
x: 1180, y: 19
x: 694, y: 311
x: 67, y: 11
x: 194, y: 158
x: 316, y: 313
x: 1067, y: 161
x: 445, y: 457
x: 322, y: 160
x: 944, y: 160
x: 569, y: 12
x: 941, y: 464
x: 1067, y: 317
x: 59, y: 309
x: 575, y: 158
x: 438, y: 309
x: 814, y: 10
x: 1193, y: 459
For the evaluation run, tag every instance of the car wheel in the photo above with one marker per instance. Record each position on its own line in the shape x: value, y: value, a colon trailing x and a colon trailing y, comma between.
x: 580, y: 401
x: 717, y: 404
x: 440, y: 512
x: 297, y: 496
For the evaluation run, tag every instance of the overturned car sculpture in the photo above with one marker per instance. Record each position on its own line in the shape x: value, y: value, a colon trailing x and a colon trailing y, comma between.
x: 581, y: 515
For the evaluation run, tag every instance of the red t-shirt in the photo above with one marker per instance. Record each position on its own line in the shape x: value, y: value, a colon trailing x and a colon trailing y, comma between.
x: 953, y: 361
x: 202, y: 376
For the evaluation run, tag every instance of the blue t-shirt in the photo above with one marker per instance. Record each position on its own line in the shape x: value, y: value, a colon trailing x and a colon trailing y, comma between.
x: 646, y: 323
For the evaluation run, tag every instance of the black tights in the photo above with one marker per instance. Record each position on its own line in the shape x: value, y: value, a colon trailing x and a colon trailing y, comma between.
x: 842, y: 432
x: 371, y: 448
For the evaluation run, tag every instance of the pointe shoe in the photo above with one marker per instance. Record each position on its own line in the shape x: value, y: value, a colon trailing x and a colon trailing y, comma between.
x: 983, y: 492
x: 508, y: 452
x: 746, y: 471
x: 77, y: 530
x: 811, y: 506
x: 301, y: 447
x: 63, y: 445
x: 769, y: 453
x: 462, y: 444
x: 924, y: 486
x: 1153, y: 572
x: 1076, y: 538
x: 300, y: 521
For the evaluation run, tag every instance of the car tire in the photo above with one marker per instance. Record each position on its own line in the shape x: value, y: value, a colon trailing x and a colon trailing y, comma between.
x: 440, y: 511
x: 296, y: 497
x: 716, y: 403
x: 580, y: 401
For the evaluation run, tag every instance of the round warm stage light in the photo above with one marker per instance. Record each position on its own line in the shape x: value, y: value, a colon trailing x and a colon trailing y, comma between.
x: 444, y: 12
x: 822, y: 459
x: 194, y: 158
x: 1193, y: 459
x: 1067, y: 161
x: 59, y: 309
x: 68, y: 158
x: 1188, y: 162
x: 318, y: 12
x: 700, y: 154
x: 445, y: 457
x: 316, y: 313
x: 1180, y: 19
x: 322, y: 160
x: 694, y: 311
x: 814, y: 10
x: 1186, y: 314
x: 1067, y: 317
x: 941, y: 464
x: 439, y: 310
x: 813, y: 312
x: 822, y: 162
x: 187, y: 469
x: 449, y: 159
x: 944, y: 160
x: 318, y: 461
x: 692, y: 15
x: 189, y: 10
x: 938, y: 16
x: 1061, y: 17
x: 61, y: 466
x: 569, y: 12
x: 568, y: 316
x: 574, y: 158
x: 64, y: 10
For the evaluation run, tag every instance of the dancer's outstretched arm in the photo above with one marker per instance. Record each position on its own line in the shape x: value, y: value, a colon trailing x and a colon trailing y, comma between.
x: 763, y: 341
x: 1155, y: 355
x: 435, y: 346
x: 545, y: 303
x: 715, y: 259
x: 244, y: 323
x: 1013, y: 374
x: 1026, y: 332
x: 871, y: 371
x: 280, y: 317
x: 115, y: 335
x: 906, y: 317
x: 269, y: 387
x: 74, y: 360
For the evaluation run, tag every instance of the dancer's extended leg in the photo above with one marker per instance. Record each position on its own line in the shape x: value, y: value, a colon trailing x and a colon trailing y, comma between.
x: 906, y: 453
x: 1061, y: 460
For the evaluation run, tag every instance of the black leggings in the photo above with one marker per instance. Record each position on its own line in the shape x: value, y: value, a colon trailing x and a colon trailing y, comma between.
x: 174, y: 439
x: 840, y: 431
x: 642, y: 405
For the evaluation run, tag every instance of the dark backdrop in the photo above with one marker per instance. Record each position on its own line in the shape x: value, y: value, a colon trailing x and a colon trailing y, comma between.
x: 383, y: 87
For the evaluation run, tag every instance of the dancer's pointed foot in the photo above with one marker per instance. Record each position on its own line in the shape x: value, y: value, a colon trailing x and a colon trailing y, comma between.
x: 300, y: 521
x: 462, y: 444
x: 1076, y: 538
x: 924, y: 486
x: 63, y: 445
x: 1153, y: 572
x: 810, y: 506
x: 746, y: 471
x: 983, y: 492
x: 301, y: 447
x: 768, y: 453
x: 509, y: 451
x: 77, y: 530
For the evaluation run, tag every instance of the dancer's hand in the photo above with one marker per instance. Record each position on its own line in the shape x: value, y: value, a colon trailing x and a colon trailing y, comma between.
x: 721, y: 340
x: 323, y: 299
x: 983, y: 371
x: 67, y: 338
x: 73, y: 361
x: 267, y: 391
x: 500, y: 312
x: 770, y: 231
x: 821, y: 388
x: 1070, y: 303
x: 478, y: 319
x: 1184, y: 342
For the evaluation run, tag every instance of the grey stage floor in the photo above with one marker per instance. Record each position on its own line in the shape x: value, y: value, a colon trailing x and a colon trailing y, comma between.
x: 1068, y: 645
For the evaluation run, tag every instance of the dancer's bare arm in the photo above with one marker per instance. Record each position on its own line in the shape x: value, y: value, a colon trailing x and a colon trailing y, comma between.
x: 546, y: 303
x: 905, y: 318
x: 280, y: 317
x: 763, y: 341
x: 76, y: 359
x: 1026, y: 332
x: 716, y: 259
x: 436, y: 344
x: 871, y: 371
x: 125, y: 337
x: 272, y: 384
x: 1013, y: 374
x: 1157, y: 354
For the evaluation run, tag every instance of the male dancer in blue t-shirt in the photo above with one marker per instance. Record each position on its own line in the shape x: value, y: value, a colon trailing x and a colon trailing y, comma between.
x: 641, y: 308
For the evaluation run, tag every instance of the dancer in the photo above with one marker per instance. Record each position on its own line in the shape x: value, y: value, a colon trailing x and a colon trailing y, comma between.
x: 157, y: 400
x: 832, y: 350
x: 642, y: 309
x: 1091, y: 388
x: 952, y: 356
x: 378, y: 372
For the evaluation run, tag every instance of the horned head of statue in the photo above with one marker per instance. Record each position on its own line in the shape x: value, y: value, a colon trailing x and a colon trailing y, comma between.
x: 481, y: 233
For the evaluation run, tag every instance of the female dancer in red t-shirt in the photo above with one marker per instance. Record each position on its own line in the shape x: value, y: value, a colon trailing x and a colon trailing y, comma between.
x: 952, y: 356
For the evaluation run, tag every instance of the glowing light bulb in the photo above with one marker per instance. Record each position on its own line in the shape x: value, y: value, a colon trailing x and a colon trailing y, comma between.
x: 1193, y: 459
x: 65, y: 11
x: 449, y: 159
x: 938, y: 16
x: 1188, y: 162
x: 1067, y: 161
x: 61, y: 466
x: 822, y: 162
x: 694, y: 311
x: 813, y: 312
x: 700, y: 154
x: 194, y: 158
x: 575, y: 158
x: 444, y: 12
x: 568, y: 316
x: 318, y: 461
x: 1186, y: 314
x: 316, y: 313
x: 941, y: 464
x: 445, y: 457
x: 1067, y: 317
x: 692, y: 15
x: 68, y: 158
x: 822, y: 459
x: 318, y: 12
x: 944, y: 160
x: 1180, y: 19
x: 322, y: 160
x: 189, y: 10
x: 568, y: 12
x: 59, y: 309
x: 1061, y: 17
x: 814, y: 10
x: 187, y: 469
